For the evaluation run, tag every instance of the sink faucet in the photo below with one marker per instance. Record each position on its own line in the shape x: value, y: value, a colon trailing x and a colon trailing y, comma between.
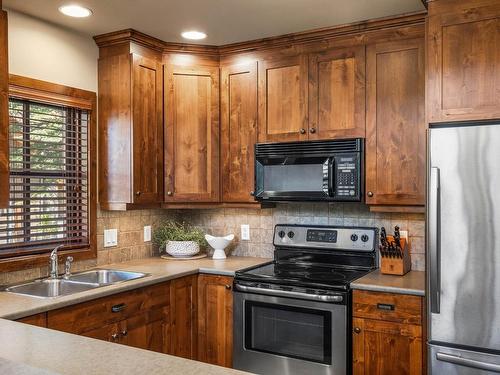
x: 53, y: 264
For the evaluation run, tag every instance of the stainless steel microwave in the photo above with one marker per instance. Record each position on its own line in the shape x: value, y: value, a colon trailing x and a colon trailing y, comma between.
x: 310, y: 171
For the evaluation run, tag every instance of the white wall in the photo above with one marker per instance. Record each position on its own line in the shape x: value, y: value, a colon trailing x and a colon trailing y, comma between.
x: 44, y: 51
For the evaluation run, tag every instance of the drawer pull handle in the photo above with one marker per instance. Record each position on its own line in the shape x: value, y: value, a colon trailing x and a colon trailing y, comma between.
x: 385, y: 306
x: 118, y: 308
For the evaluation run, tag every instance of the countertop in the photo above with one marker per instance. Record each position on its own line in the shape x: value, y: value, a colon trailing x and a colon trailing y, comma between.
x: 411, y: 283
x: 14, y: 306
x: 30, y: 350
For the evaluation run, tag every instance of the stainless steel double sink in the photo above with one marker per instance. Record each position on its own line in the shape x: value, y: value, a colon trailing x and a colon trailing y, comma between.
x: 74, y: 283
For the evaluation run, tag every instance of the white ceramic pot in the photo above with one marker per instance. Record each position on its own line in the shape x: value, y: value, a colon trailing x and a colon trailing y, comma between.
x: 182, y: 249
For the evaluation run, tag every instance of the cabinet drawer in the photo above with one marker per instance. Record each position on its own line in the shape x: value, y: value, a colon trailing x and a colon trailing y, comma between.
x: 387, y: 306
x: 90, y: 315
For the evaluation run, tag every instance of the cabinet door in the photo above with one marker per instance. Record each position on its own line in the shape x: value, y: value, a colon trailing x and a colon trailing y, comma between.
x: 39, y: 320
x: 337, y: 94
x: 386, y: 348
x: 4, y: 113
x: 238, y: 131
x: 108, y: 332
x: 463, y: 60
x: 192, y: 134
x: 283, y: 99
x: 147, y: 118
x: 215, y: 319
x: 146, y: 331
x: 183, y: 332
x: 395, y: 124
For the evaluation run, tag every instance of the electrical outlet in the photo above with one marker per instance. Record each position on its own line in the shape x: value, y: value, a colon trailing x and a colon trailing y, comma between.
x: 245, y: 232
x: 110, y: 237
x: 404, y: 234
x: 147, y: 233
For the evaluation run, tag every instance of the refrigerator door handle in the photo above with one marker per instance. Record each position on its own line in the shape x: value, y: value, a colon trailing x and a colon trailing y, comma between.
x: 433, y: 238
x: 461, y: 361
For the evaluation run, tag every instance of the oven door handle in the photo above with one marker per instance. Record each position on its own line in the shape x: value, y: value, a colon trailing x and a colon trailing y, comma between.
x: 287, y: 293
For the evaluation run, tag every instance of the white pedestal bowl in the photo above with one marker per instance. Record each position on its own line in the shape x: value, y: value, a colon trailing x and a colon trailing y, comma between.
x: 219, y: 244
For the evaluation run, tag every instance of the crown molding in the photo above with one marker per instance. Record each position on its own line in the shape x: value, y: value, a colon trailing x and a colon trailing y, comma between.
x: 131, y: 35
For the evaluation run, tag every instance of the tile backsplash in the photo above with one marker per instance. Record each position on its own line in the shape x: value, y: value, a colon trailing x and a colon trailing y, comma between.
x: 131, y: 243
x: 225, y: 221
x: 218, y: 222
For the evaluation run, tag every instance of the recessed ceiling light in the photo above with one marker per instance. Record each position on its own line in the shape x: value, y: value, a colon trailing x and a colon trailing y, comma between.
x: 75, y: 11
x: 193, y: 35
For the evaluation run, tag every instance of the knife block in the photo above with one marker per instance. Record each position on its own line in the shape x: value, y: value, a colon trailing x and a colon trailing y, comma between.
x: 396, y: 266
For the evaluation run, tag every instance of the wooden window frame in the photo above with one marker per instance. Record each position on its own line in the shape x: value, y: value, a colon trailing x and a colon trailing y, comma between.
x: 51, y: 93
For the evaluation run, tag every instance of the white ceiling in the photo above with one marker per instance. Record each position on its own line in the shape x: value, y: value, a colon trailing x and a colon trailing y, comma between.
x: 225, y: 21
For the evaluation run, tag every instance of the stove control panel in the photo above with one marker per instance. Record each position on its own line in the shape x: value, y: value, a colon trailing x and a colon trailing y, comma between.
x: 326, y: 237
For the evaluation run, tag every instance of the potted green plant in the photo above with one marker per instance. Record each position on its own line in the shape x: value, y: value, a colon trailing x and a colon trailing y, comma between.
x: 179, y: 239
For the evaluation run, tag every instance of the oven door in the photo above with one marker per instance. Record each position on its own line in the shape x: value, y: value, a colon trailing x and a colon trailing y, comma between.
x: 290, y: 178
x: 287, y: 336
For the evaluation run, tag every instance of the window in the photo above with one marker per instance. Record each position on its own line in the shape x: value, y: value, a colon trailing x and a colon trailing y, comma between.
x: 49, y: 197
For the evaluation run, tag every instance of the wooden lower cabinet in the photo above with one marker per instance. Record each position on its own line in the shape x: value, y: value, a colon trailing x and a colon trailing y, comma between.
x: 39, y: 320
x: 215, y: 320
x: 183, y: 329
x: 190, y: 317
x: 387, y: 334
x: 138, y: 318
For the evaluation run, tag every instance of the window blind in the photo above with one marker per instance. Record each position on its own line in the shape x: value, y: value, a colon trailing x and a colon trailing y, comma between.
x: 48, y: 148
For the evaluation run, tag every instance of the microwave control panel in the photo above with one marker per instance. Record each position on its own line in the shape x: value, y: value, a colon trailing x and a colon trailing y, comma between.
x: 346, y: 177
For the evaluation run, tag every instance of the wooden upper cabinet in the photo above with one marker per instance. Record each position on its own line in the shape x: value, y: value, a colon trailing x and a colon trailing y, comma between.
x: 147, y: 112
x: 463, y: 63
x: 395, y: 124
x: 192, y: 134
x: 283, y: 99
x: 130, y: 131
x: 238, y: 131
x: 337, y: 93
x: 215, y: 319
x: 4, y: 113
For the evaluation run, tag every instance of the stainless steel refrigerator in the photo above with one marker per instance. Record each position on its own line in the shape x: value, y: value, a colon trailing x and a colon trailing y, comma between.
x: 463, y: 249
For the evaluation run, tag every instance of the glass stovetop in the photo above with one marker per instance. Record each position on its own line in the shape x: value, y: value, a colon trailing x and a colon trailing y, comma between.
x: 294, y: 274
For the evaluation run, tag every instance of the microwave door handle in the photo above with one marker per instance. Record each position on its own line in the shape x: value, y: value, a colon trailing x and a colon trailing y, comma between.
x: 331, y: 173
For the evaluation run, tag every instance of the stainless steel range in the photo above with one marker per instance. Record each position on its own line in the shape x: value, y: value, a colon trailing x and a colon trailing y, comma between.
x: 293, y: 315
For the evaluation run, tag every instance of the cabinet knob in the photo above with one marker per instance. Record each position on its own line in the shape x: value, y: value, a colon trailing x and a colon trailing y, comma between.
x: 302, y: 131
x: 357, y: 330
x: 252, y: 193
x: 370, y: 194
x: 169, y: 193
x: 228, y: 287
x: 137, y: 193
x: 124, y: 333
x: 115, y: 336
x: 312, y: 130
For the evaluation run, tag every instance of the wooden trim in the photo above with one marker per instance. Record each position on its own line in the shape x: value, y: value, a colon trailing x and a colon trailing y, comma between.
x: 322, y: 34
x: 124, y: 206
x: 53, y: 93
x: 179, y: 206
x: 131, y: 35
x: 403, y: 209
x: 4, y: 112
